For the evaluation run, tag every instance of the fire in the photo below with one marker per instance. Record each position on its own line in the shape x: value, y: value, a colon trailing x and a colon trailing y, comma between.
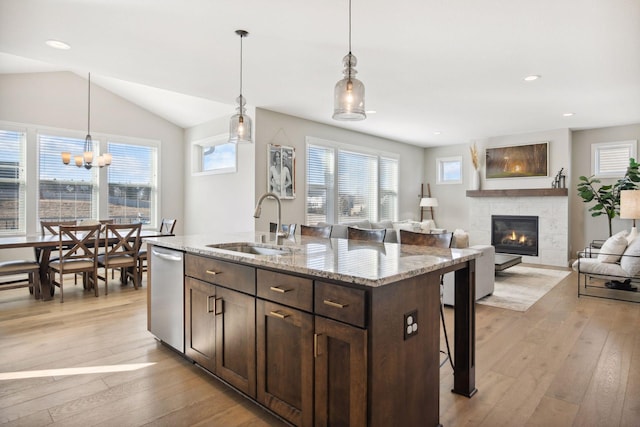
x: 513, y: 237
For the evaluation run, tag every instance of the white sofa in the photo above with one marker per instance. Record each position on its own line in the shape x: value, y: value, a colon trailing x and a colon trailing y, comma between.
x: 485, y: 264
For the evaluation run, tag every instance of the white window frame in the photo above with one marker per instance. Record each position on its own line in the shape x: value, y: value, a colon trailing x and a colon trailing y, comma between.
x: 332, y: 189
x: 198, y: 152
x: 442, y: 163
x: 624, y: 149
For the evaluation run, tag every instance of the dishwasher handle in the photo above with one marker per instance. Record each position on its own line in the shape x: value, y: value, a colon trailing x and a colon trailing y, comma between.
x: 167, y: 257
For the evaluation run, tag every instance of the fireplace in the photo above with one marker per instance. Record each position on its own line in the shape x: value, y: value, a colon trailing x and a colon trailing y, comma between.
x: 515, y: 234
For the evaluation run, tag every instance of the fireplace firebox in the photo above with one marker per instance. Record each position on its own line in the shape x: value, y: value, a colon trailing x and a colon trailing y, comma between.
x: 515, y: 234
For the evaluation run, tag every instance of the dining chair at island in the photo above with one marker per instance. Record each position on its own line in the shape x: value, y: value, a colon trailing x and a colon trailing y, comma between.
x: 77, y: 253
x: 22, y: 273
x: 121, y: 246
x: 369, y: 235
x: 315, y: 230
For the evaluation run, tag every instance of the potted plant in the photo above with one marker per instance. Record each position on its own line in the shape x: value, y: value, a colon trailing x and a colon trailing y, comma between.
x: 607, y: 197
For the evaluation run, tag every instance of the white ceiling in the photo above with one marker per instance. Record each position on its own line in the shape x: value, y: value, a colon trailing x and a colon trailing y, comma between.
x: 453, y: 66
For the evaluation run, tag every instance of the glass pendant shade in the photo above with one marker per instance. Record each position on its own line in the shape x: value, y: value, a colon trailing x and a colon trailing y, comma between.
x: 240, y: 124
x: 348, y: 95
x: 66, y: 157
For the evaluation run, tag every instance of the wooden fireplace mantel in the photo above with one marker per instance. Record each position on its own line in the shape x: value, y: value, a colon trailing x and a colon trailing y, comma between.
x: 525, y: 192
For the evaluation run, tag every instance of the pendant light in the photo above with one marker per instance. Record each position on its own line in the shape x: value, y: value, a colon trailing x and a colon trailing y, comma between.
x: 86, y: 159
x: 348, y: 95
x: 240, y: 123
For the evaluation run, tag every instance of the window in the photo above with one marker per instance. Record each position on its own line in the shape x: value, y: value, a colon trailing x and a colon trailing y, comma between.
x: 66, y: 192
x: 611, y: 159
x: 213, y: 156
x: 12, y: 181
x: 132, y: 183
x: 347, y: 184
x: 449, y: 170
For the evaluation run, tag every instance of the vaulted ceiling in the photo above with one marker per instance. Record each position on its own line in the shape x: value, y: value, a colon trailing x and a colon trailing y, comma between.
x: 435, y: 72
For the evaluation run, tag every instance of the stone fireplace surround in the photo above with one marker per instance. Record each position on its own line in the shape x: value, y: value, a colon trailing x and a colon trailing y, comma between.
x: 552, y: 210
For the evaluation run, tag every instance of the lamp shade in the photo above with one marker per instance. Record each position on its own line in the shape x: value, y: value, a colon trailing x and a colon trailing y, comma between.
x: 428, y: 202
x: 630, y: 204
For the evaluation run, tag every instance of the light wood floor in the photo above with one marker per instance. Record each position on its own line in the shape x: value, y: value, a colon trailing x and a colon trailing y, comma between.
x: 566, y: 361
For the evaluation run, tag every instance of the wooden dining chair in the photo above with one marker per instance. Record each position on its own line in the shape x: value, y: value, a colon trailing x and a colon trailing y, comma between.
x: 53, y: 227
x: 167, y: 225
x: 315, y: 230
x: 369, y: 235
x: 77, y: 253
x: 121, y: 243
x: 17, y: 269
x: 439, y: 240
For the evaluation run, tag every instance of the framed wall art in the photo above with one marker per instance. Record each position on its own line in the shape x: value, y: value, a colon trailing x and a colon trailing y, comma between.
x: 281, y: 171
x: 518, y: 161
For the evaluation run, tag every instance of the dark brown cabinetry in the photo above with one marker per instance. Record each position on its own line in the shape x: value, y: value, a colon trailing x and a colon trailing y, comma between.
x: 220, y: 320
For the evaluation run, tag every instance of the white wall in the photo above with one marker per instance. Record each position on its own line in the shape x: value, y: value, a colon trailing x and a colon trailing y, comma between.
x: 276, y: 128
x: 454, y: 207
x: 59, y: 100
x: 222, y: 202
x: 583, y: 227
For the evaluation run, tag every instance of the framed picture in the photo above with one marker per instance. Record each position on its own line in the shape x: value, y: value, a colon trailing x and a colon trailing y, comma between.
x: 518, y: 161
x: 281, y: 171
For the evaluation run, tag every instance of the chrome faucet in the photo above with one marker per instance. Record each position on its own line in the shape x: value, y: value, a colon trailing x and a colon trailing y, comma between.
x: 279, y: 234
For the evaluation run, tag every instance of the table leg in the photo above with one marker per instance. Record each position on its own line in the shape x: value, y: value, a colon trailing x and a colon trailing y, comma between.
x: 464, y: 375
x: 45, y: 283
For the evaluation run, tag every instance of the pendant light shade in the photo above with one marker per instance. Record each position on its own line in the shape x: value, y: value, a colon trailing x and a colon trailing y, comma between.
x: 240, y: 126
x: 348, y: 94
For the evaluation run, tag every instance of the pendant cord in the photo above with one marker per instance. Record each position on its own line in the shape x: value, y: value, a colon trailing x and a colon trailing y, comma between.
x: 241, y: 36
x: 350, y: 41
x: 89, y: 108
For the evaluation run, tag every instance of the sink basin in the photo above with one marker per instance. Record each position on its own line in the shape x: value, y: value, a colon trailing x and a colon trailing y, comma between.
x: 252, y: 248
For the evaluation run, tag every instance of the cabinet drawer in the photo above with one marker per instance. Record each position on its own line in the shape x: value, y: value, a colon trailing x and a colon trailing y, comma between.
x: 234, y: 276
x: 286, y: 289
x: 340, y: 303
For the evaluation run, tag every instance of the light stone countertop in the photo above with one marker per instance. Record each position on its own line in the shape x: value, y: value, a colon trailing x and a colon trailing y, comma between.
x: 363, y: 263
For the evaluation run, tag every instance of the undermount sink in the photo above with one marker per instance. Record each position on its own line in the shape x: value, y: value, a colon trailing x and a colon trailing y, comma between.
x: 252, y: 248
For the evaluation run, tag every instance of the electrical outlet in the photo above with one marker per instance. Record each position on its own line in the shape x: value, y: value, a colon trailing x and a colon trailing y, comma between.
x: 410, y: 324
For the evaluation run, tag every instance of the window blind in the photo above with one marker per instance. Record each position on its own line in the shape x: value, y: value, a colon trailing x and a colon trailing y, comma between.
x: 132, y: 179
x: 12, y: 182
x: 320, y: 166
x: 66, y: 192
x: 357, y: 187
x: 388, y: 189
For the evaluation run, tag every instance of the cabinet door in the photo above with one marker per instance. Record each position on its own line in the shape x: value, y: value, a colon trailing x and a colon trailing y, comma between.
x: 236, y: 339
x: 340, y: 374
x: 200, y: 322
x: 285, y: 361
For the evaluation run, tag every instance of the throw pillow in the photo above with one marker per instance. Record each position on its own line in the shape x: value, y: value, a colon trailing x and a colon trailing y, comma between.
x: 630, y: 261
x: 460, y: 239
x: 613, y: 248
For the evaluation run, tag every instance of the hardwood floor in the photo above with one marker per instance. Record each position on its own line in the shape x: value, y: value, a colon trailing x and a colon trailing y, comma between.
x: 566, y: 361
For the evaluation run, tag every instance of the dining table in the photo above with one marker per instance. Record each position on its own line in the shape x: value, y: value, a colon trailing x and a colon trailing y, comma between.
x: 43, y: 246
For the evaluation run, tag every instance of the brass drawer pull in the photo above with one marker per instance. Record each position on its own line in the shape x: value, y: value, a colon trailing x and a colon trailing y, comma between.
x: 279, y: 290
x: 278, y: 315
x: 335, y: 304
x: 213, y: 273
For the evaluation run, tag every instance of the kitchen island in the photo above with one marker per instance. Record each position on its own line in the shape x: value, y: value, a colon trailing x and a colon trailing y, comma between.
x: 326, y: 331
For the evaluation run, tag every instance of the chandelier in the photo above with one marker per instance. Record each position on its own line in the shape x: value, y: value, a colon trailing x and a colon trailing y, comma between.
x: 86, y: 159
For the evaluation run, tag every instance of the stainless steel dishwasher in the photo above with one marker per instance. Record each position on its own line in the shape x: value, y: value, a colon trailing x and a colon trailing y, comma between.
x: 167, y: 296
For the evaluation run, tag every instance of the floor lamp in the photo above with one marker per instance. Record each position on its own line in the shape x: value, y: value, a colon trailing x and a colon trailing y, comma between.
x: 630, y: 209
x: 428, y: 202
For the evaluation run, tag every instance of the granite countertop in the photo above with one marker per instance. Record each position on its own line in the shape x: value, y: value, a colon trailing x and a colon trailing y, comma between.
x: 363, y: 263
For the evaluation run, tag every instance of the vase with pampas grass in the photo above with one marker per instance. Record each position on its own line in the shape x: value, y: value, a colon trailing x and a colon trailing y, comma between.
x: 475, y: 161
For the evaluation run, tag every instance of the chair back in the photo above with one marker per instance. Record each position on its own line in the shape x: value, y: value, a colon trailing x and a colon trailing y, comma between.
x: 79, y: 242
x: 167, y: 225
x: 315, y: 230
x: 53, y: 227
x: 439, y: 240
x: 369, y: 235
x: 122, y: 240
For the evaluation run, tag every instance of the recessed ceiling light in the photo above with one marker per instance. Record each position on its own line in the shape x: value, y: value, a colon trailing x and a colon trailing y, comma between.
x: 568, y: 114
x: 57, y: 44
x: 531, y: 78
x: 437, y: 132
x: 371, y: 111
